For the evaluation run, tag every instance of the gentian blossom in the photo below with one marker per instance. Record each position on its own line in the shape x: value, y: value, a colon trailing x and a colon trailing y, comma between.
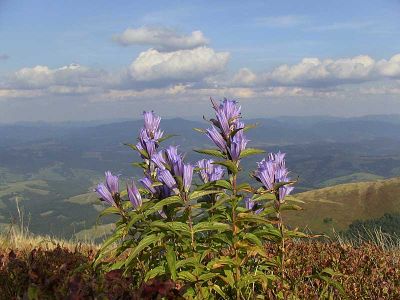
x: 149, y: 135
x: 108, y: 190
x: 230, y: 137
x: 227, y: 113
x: 174, y: 160
x: 112, y: 183
x: 133, y: 194
x: 148, y: 184
x: 249, y: 203
x: 166, y: 177
x: 217, y: 138
x: 238, y: 143
x: 104, y: 194
x: 187, y: 176
x: 208, y: 171
x: 272, y: 171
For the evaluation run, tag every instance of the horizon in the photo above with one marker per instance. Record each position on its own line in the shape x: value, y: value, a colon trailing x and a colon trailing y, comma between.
x: 193, y: 119
x: 76, y: 61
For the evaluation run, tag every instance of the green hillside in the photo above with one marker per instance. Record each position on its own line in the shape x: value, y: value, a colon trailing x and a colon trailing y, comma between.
x: 338, y: 206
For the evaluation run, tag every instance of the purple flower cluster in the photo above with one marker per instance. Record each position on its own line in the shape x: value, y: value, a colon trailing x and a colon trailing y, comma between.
x: 169, y: 169
x: 227, y: 130
x: 208, y: 171
x: 273, y: 170
x: 109, y: 190
x: 150, y: 134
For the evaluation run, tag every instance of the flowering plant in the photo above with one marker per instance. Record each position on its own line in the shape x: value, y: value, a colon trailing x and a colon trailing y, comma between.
x: 208, y: 234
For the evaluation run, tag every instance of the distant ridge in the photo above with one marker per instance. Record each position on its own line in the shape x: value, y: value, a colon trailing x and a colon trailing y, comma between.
x: 338, y: 206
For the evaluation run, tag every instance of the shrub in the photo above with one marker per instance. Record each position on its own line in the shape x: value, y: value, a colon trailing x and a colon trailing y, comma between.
x: 206, y: 236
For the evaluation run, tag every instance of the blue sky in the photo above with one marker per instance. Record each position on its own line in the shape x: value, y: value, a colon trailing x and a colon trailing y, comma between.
x: 73, y: 60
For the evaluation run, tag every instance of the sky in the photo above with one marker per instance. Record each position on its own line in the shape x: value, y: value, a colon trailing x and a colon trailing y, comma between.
x: 97, y: 60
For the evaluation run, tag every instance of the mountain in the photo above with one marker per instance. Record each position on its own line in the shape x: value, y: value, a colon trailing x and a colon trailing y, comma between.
x: 45, y: 166
x: 340, y: 205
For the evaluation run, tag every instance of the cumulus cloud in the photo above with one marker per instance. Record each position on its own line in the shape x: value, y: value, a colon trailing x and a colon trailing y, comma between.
x: 313, y: 72
x: 181, y: 65
x: 42, y: 77
x: 163, y: 39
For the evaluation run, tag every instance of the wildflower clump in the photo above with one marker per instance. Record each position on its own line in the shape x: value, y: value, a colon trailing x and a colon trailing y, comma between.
x: 207, y: 235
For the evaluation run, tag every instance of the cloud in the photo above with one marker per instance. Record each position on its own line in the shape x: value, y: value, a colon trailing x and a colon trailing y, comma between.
x: 316, y: 73
x: 182, y: 65
x: 164, y: 39
x: 4, y: 56
x: 39, y: 77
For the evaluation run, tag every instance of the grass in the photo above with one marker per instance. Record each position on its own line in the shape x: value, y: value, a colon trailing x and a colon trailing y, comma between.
x: 335, y: 208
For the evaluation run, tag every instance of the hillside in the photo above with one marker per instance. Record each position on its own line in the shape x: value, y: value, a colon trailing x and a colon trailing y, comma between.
x: 338, y: 206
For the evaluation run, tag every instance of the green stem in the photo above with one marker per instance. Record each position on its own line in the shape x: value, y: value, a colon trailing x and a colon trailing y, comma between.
x: 234, y: 203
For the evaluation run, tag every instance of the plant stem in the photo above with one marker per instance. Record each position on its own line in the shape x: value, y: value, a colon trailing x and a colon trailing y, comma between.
x: 234, y: 202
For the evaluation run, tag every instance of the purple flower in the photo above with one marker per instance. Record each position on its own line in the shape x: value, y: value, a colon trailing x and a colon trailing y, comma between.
x: 208, y: 171
x: 112, y: 183
x: 174, y: 160
x: 249, y: 203
x: 229, y: 109
x: 187, y: 177
x: 272, y: 171
x: 105, y: 194
x: 148, y: 184
x: 217, y: 138
x: 238, y: 143
x: 146, y: 143
x: 152, y: 124
x: 166, y: 177
x: 133, y: 194
x: 159, y: 160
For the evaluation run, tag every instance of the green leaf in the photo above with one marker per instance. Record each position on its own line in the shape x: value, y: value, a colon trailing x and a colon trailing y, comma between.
x: 166, y: 137
x: 172, y: 226
x: 220, y: 262
x: 230, y: 165
x: 171, y: 261
x: 249, y: 126
x: 157, y: 271
x: 187, y: 276
x: 201, y: 130
x: 219, y: 291
x: 286, y: 206
x: 109, y: 211
x: 132, y: 146
x: 222, y: 183
x: 251, y: 151
x: 251, y: 217
x: 145, y: 242
x: 212, y: 152
x: 281, y: 184
x: 159, y: 205
x: 252, y: 238
x: 205, y: 226
x: 198, y: 194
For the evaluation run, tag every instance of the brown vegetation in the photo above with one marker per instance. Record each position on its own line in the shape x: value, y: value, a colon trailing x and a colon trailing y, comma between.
x: 365, y: 272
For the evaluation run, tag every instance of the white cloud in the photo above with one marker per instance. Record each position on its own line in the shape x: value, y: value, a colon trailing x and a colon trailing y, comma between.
x: 313, y: 72
x: 181, y: 65
x: 244, y: 76
x: 161, y: 38
x: 43, y: 77
x: 4, y: 56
